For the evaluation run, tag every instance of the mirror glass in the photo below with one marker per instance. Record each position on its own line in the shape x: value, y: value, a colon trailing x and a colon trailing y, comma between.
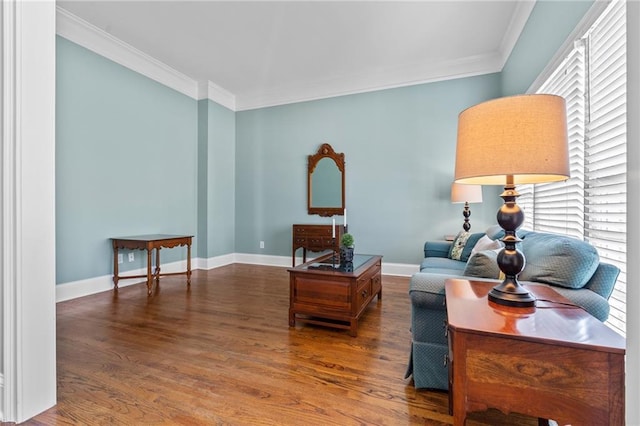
x: 325, y: 182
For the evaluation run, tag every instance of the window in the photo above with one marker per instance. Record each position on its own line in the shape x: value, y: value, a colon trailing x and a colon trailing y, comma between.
x: 591, y: 205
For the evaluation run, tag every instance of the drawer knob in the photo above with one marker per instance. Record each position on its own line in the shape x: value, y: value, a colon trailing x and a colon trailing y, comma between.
x: 364, y: 293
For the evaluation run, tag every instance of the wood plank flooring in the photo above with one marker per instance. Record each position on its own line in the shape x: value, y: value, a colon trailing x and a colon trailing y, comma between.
x: 221, y: 353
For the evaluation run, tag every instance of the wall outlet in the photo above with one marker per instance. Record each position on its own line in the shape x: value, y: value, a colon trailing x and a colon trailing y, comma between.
x: 131, y: 257
x: 261, y: 244
x: 120, y: 259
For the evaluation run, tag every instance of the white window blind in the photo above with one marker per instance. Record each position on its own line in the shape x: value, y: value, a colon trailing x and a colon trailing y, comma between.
x: 591, y: 205
x: 558, y: 207
x: 606, y: 150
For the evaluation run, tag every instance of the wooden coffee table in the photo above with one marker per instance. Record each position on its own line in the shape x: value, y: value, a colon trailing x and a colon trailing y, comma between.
x: 554, y: 361
x: 321, y: 292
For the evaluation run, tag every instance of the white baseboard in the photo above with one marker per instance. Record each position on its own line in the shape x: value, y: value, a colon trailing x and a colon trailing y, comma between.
x: 75, y: 289
x: 213, y: 262
x: 399, y: 269
x: 267, y: 260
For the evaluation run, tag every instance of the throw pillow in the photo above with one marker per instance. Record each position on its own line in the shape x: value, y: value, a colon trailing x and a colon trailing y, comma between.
x: 458, y: 245
x: 494, y: 232
x: 471, y: 243
x: 483, y: 264
x: 485, y: 243
x: 558, y: 260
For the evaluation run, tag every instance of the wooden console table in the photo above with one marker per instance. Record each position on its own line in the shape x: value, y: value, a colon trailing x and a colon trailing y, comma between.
x: 554, y: 361
x: 315, y: 238
x: 149, y: 243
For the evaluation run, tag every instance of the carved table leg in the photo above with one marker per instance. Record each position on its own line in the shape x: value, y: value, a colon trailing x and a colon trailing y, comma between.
x: 157, y: 271
x: 149, y: 276
x: 189, y: 263
x: 115, y: 267
x: 353, y: 328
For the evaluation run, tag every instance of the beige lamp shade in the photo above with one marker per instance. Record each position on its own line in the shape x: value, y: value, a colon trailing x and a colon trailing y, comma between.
x: 521, y: 137
x: 461, y: 193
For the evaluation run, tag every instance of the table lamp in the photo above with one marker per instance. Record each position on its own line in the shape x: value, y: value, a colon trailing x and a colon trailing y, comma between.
x: 507, y: 141
x: 466, y: 194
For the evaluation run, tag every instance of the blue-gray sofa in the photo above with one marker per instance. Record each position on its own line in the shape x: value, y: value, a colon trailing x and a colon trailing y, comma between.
x: 571, y: 266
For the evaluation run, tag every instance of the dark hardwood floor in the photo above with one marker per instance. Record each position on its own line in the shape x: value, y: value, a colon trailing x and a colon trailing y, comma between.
x: 221, y: 352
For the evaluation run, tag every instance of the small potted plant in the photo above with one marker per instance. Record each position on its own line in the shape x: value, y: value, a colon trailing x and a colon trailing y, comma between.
x: 346, y: 248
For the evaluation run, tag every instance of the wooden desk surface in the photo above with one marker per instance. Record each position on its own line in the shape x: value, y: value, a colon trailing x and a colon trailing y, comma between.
x: 557, y: 320
x: 151, y: 237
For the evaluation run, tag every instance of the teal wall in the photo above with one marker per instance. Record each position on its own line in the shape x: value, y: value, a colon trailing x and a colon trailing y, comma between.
x: 134, y: 157
x: 125, y: 161
x: 216, y: 179
x: 203, y: 175
x: 549, y: 25
x: 399, y: 148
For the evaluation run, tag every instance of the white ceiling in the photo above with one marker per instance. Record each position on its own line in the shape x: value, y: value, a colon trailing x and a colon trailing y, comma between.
x: 269, y: 53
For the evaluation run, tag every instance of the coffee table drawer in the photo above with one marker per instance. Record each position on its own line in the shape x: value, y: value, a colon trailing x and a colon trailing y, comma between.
x: 363, y: 293
x: 322, y: 293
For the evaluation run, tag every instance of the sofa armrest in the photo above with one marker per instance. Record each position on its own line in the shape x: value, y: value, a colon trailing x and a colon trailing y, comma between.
x: 603, y: 280
x: 426, y: 290
x: 437, y: 248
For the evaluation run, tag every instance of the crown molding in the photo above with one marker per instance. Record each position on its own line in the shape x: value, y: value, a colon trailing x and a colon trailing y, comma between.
x: 386, y: 79
x: 518, y: 21
x: 104, y: 44
x: 210, y: 90
x: 99, y: 41
x: 414, y: 74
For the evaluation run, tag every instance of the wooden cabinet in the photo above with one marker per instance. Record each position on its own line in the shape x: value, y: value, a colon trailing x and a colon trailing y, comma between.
x: 321, y: 293
x: 554, y: 361
x: 315, y: 238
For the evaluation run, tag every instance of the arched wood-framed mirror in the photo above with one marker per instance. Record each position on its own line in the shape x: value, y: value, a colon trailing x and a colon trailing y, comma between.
x: 325, y: 182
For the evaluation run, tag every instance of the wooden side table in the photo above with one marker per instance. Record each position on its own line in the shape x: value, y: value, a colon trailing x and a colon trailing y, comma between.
x: 149, y: 243
x: 554, y: 361
x: 315, y: 238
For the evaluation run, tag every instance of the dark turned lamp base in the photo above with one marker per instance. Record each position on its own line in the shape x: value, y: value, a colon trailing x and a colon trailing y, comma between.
x: 511, y: 261
x: 516, y: 297
x: 466, y: 213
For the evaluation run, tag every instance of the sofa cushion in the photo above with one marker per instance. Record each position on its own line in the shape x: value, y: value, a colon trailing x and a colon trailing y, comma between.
x: 442, y: 265
x: 483, y: 264
x: 558, y: 260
